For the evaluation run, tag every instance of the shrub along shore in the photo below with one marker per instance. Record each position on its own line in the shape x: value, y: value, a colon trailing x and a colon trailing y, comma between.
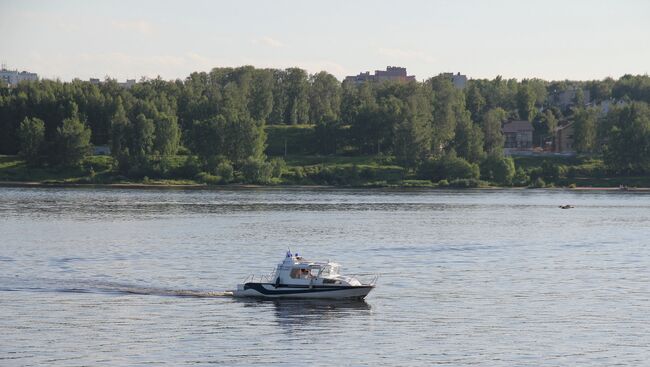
x: 319, y: 171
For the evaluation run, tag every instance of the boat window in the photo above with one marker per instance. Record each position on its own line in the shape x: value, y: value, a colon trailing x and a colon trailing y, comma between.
x: 302, y: 273
x: 295, y: 273
x: 330, y: 270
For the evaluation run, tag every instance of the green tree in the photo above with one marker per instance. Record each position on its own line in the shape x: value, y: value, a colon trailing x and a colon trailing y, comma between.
x: 120, y: 135
x: 324, y: 97
x: 31, y: 134
x: 72, y: 142
x: 448, y: 167
x: 526, y: 102
x: 236, y: 139
x: 297, y: 92
x: 628, y: 148
x: 468, y: 139
x: 447, y: 104
x: 412, y: 137
x: 585, y: 128
x: 493, y: 138
x: 167, y: 135
x: 475, y: 102
x: 142, y: 142
x: 550, y: 122
x: 260, y: 105
x: 499, y: 169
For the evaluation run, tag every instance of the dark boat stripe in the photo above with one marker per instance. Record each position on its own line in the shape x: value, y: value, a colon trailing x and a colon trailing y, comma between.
x: 259, y: 287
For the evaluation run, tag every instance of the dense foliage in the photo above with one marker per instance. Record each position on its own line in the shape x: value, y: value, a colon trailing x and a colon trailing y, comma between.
x: 219, y: 122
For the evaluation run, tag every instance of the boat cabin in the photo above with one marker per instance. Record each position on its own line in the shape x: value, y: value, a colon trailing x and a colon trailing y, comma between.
x: 295, y: 270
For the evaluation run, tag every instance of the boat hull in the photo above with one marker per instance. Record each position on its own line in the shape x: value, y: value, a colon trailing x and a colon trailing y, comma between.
x: 269, y: 290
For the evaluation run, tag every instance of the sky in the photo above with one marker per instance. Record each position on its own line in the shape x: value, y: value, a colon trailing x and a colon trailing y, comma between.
x: 549, y: 39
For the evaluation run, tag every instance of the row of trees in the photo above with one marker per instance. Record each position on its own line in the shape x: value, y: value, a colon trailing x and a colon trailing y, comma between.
x: 220, y: 117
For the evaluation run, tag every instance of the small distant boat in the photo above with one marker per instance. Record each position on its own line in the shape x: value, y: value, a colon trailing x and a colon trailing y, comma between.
x: 567, y: 206
x: 296, y: 277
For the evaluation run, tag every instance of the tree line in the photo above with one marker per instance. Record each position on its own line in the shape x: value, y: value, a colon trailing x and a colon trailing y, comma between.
x: 217, y: 120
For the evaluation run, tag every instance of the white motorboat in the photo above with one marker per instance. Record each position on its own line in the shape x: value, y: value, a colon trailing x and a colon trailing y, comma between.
x: 296, y: 277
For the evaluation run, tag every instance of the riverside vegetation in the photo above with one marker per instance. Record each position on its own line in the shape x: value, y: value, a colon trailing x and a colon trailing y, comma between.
x: 269, y: 126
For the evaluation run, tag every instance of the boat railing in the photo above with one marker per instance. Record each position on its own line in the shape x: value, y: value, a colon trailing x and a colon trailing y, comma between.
x: 260, y: 278
x: 366, y: 278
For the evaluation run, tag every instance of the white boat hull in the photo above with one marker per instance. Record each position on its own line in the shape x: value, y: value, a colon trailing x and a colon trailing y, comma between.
x: 269, y: 290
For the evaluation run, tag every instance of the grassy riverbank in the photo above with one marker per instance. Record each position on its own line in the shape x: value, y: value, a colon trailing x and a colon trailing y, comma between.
x: 309, y: 170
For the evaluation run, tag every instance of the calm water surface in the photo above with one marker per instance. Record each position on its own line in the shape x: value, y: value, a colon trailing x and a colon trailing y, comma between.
x: 502, y: 278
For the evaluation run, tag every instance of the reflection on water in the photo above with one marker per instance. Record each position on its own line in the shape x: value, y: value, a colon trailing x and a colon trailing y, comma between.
x: 494, y: 278
x: 292, y: 312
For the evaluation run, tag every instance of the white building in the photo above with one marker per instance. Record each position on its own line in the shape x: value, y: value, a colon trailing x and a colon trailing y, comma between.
x: 567, y: 98
x: 13, y: 77
x: 126, y: 85
x: 458, y: 80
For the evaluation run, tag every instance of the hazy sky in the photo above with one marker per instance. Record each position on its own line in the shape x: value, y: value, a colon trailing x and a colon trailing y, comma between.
x: 549, y: 39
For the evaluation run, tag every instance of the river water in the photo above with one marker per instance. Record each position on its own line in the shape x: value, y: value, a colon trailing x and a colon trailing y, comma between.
x: 491, y: 278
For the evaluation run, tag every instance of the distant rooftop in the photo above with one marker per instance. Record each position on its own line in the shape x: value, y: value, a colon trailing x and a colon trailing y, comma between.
x: 517, y: 126
x: 13, y: 77
x: 392, y: 73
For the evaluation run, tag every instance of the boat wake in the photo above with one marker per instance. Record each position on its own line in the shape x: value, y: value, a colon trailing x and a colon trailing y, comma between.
x: 99, y: 287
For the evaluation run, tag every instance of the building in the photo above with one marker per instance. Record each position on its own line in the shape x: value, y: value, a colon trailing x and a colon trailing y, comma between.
x: 458, y: 80
x: 392, y: 73
x: 126, y: 85
x: 604, y: 107
x: 13, y: 77
x: 518, y: 134
x: 567, y: 98
x: 563, y: 140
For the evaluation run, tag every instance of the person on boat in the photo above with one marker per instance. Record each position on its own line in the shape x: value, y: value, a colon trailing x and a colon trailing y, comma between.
x: 306, y: 273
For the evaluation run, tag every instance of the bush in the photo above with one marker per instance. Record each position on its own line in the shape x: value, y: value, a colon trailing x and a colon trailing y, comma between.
x: 277, y: 167
x: 225, y: 171
x: 207, y: 178
x: 552, y: 172
x: 520, y: 178
x: 538, y: 183
x: 443, y: 183
x: 257, y: 171
x: 448, y: 167
x: 190, y: 168
x: 498, y: 169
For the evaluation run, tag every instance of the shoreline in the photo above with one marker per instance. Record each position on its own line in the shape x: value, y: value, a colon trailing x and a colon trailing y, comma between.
x: 144, y: 186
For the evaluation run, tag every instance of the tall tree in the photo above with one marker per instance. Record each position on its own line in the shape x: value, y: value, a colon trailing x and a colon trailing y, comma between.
x: 412, y: 137
x: 120, y: 135
x: 260, y: 105
x: 526, y: 102
x: 585, y: 128
x: 297, y: 89
x: 468, y: 139
x: 72, y: 142
x: 493, y: 138
x: 324, y: 98
x: 475, y: 102
x: 447, y: 104
x: 628, y: 148
x: 31, y: 134
x: 167, y: 136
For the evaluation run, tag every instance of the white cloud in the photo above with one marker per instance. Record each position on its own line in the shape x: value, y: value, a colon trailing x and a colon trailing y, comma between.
x: 268, y: 41
x: 138, y: 26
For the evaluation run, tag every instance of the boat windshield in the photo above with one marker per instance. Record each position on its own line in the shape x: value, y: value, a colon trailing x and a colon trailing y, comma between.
x: 330, y: 270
